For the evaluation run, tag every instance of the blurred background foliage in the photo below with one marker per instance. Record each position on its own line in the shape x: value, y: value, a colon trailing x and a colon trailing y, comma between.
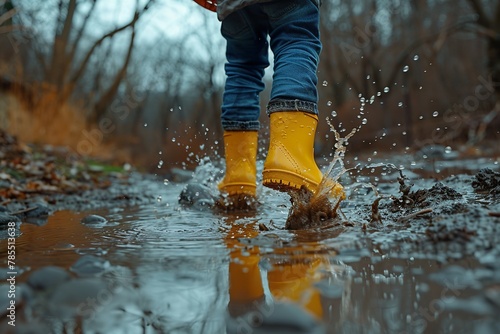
x: 140, y: 81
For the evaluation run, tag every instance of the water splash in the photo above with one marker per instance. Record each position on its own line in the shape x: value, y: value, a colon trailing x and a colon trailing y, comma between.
x: 336, y: 168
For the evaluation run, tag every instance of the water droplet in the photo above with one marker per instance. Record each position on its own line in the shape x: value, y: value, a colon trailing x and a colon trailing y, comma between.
x: 406, y: 68
x: 173, y: 140
x: 379, y: 94
x: 145, y: 124
x: 415, y: 57
x: 368, y: 77
x: 166, y: 182
x: 202, y: 146
x: 386, y: 90
x: 325, y: 83
x: 435, y: 114
x: 447, y: 150
x: 421, y: 117
x: 329, y: 103
x: 333, y: 113
x: 158, y: 199
x: 400, y: 104
x: 364, y: 121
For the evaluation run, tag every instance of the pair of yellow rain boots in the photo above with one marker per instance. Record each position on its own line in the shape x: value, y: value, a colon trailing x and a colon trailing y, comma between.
x: 290, y: 162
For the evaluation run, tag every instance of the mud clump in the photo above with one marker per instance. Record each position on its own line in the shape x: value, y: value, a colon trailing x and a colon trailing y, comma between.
x: 487, y: 181
x: 438, y: 193
x: 310, y: 211
x: 423, y: 198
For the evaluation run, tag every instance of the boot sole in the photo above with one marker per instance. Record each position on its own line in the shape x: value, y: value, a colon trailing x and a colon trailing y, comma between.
x: 285, y: 181
x: 239, y: 189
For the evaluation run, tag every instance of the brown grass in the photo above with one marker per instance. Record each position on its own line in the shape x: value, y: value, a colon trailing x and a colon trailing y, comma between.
x: 45, y: 124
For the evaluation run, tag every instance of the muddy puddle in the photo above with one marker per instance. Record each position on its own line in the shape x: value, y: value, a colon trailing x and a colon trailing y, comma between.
x: 428, y: 264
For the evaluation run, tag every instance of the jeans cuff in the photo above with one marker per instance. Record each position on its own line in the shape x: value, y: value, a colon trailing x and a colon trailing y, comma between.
x: 241, y: 125
x: 292, y: 105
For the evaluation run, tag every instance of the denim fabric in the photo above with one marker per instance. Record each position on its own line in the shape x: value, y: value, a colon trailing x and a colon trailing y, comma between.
x: 293, y: 30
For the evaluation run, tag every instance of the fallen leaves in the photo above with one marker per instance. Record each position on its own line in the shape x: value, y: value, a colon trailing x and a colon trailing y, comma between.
x: 27, y: 170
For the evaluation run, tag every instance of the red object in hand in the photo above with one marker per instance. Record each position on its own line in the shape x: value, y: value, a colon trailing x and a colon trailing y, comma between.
x: 208, y: 4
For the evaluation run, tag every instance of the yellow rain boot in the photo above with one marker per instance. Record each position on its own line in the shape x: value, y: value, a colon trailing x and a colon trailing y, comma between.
x: 239, y: 183
x: 290, y: 160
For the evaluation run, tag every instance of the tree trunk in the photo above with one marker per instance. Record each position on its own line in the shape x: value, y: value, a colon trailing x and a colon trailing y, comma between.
x: 107, y: 98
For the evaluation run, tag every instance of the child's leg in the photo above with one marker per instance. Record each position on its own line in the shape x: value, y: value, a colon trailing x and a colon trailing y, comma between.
x: 294, y: 32
x: 247, y: 57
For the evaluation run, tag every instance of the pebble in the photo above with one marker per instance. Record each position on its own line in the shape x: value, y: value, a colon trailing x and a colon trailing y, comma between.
x: 77, y: 297
x: 47, y: 277
x: 94, y: 220
x: 89, y: 265
x: 6, y: 218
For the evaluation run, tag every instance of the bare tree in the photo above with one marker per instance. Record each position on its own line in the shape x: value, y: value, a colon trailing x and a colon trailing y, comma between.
x: 66, y: 61
x: 488, y: 25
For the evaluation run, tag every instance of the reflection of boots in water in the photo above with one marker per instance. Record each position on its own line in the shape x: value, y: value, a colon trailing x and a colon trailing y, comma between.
x: 294, y: 282
x: 290, y: 162
x: 245, y: 284
x: 239, y: 184
x: 290, y: 286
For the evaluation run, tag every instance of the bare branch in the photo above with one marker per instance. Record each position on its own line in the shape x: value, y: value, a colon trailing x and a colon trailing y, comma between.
x: 107, y: 97
x: 7, y: 15
x: 79, y: 34
x: 482, y: 18
x: 89, y: 53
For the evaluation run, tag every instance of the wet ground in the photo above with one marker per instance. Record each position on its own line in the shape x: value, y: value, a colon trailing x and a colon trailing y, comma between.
x: 416, y: 254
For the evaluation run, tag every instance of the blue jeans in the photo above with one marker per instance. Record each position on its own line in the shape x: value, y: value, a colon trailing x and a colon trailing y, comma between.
x: 293, y: 30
